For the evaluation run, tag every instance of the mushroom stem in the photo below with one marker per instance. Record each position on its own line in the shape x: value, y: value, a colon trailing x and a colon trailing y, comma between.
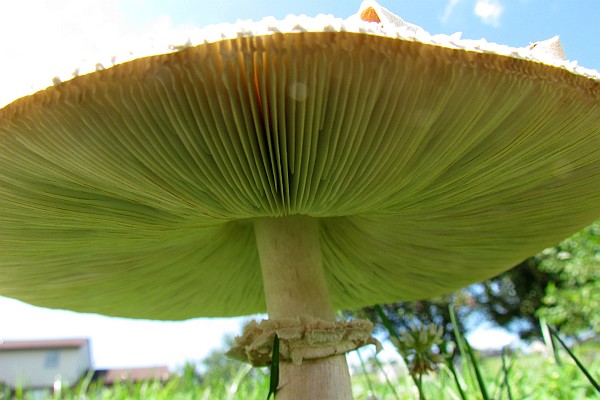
x: 294, y: 285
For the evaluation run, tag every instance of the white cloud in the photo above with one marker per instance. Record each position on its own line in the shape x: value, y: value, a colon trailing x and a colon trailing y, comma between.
x: 43, y: 39
x: 489, y: 11
x: 48, y: 37
x: 448, y: 10
x: 487, y: 338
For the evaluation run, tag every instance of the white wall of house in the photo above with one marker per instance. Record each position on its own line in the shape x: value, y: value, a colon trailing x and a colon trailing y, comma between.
x: 40, y: 365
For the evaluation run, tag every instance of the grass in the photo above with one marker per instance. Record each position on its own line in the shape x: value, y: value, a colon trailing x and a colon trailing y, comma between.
x: 531, y: 377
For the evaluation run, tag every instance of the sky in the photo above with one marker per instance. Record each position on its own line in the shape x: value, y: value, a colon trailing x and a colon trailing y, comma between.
x: 43, y: 39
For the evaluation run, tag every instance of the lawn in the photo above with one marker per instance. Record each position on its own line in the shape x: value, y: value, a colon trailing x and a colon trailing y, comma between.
x: 532, y: 377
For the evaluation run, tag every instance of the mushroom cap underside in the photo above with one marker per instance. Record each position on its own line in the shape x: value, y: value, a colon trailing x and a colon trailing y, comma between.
x: 131, y: 191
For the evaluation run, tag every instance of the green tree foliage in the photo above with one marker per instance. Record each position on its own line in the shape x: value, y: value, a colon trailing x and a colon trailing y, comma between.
x: 216, y: 366
x: 572, y: 302
x: 405, y: 315
x: 511, y: 299
x: 217, y: 369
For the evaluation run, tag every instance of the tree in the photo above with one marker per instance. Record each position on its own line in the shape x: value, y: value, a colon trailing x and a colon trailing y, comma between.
x: 216, y: 367
x: 572, y: 301
x: 511, y: 299
x: 404, y: 315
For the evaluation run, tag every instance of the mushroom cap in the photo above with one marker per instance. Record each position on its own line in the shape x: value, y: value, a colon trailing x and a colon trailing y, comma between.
x: 131, y: 191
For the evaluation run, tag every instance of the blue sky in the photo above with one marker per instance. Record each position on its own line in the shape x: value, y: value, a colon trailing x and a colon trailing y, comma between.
x: 45, y: 38
x: 39, y: 39
x: 511, y: 22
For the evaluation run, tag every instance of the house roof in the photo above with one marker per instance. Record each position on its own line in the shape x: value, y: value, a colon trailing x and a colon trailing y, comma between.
x: 110, y: 376
x: 42, y: 344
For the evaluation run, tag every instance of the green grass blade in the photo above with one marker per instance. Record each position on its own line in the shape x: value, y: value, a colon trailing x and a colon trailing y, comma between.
x: 579, y: 364
x: 274, y: 379
x: 501, y: 378
x: 236, y: 381
x: 457, y: 334
x: 462, y: 351
x: 452, y: 369
x: 420, y: 386
x: 466, y: 350
x: 549, y: 340
x: 480, y: 380
x: 386, y: 322
x: 387, y: 380
x: 366, y: 373
x: 506, y: 370
x: 388, y: 325
x: 84, y: 384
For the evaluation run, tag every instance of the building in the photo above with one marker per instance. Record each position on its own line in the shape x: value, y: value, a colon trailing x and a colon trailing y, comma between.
x: 36, y: 364
x: 112, y: 376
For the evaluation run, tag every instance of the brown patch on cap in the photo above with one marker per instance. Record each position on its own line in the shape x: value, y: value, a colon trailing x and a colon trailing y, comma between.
x: 370, y: 15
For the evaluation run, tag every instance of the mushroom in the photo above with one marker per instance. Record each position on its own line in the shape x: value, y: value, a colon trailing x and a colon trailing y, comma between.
x: 299, y: 166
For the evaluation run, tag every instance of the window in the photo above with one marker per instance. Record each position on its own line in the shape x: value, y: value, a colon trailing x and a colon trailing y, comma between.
x: 52, y: 359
